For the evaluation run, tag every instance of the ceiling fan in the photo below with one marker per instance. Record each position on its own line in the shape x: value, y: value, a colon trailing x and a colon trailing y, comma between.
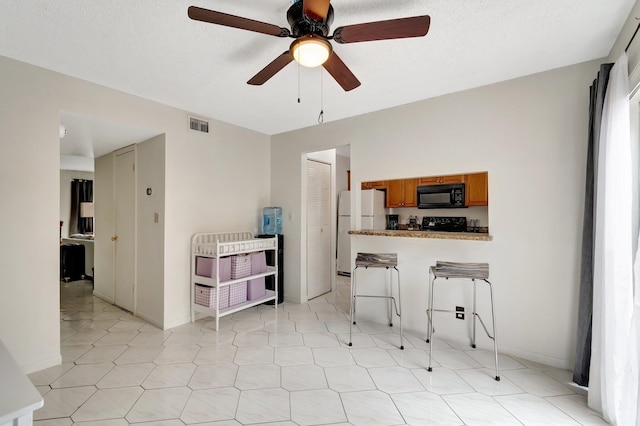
x: 310, y: 21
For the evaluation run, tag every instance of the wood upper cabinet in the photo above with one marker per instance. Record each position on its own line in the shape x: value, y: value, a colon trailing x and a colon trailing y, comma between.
x: 379, y: 184
x: 401, y: 193
x: 438, y: 180
x: 476, y: 189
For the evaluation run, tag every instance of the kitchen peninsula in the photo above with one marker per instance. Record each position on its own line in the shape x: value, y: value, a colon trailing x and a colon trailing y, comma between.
x: 439, y: 218
x: 417, y: 251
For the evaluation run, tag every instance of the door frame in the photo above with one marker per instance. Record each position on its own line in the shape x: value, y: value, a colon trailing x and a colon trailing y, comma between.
x: 325, y: 156
x: 114, y: 154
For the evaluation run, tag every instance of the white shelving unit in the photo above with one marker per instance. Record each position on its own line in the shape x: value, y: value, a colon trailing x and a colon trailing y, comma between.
x: 217, y: 246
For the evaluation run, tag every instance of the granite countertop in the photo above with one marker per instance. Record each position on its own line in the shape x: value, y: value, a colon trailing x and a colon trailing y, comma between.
x: 471, y: 236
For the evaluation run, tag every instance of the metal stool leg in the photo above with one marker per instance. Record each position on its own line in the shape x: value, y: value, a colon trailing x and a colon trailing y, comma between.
x: 475, y: 314
x: 391, y: 302
x: 493, y: 321
x: 430, y: 330
x: 390, y: 299
x: 399, y: 309
x: 495, y: 334
x: 472, y: 271
x: 352, y: 310
x: 429, y: 290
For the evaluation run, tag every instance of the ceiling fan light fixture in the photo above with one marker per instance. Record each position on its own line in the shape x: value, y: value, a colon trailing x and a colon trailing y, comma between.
x: 311, y: 50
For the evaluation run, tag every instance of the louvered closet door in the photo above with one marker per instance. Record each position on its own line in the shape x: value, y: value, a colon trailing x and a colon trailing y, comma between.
x: 318, y: 228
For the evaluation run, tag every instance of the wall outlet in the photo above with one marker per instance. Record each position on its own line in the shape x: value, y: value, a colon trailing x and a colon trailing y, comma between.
x: 460, y: 312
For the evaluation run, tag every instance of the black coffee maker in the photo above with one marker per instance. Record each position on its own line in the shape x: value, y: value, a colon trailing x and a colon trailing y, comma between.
x: 392, y: 221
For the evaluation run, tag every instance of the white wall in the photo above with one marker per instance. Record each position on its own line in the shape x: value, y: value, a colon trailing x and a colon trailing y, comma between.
x: 214, y: 182
x: 530, y: 135
x: 66, y: 176
x: 149, y: 236
x: 29, y: 218
x: 104, y: 227
x: 150, y: 173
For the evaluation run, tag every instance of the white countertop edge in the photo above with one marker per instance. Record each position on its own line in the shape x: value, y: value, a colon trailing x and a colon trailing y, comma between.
x: 19, y: 396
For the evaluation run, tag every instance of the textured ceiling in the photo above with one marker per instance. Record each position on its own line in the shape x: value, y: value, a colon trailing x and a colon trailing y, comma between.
x: 152, y: 49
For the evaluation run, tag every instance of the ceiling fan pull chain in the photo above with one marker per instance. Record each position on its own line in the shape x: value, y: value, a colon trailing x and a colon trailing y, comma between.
x: 298, y: 83
x: 321, y: 115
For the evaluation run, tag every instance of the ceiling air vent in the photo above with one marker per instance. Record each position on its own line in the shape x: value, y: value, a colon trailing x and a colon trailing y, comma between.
x: 198, y: 125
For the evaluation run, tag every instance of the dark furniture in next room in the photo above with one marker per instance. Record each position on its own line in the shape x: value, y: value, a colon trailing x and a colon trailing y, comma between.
x: 269, y: 281
x: 72, y: 262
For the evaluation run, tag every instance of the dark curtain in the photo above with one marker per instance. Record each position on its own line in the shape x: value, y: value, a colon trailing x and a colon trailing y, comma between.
x: 585, y: 306
x: 81, y: 191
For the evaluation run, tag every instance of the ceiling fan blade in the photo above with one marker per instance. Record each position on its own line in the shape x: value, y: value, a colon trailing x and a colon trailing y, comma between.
x: 219, y: 18
x: 416, y: 26
x: 341, y: 73
x: 270, y: 70
x: 316, y: 9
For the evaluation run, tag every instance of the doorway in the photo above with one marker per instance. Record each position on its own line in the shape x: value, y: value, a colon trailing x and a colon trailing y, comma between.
x: 88, y: 145
x: 318, y: 228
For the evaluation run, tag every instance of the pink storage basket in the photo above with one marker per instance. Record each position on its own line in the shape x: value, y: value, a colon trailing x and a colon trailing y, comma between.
x: 256, y: 289
x: 206, y: 267
x: 206, y: 296
x: 240, y: 266
x: 237, y: 293
x: 258, y: 263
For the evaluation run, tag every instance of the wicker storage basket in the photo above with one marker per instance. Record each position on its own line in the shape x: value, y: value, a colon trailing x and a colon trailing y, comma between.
x: 237, y: 293
x: 206, y: 296
x: 240, y: 266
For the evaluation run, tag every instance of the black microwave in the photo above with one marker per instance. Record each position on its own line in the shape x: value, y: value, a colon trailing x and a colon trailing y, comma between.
x: 441, y: 196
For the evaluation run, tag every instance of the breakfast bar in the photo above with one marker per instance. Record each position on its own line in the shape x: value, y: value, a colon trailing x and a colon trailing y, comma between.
x: 417, y: 250
x: 469, y: 236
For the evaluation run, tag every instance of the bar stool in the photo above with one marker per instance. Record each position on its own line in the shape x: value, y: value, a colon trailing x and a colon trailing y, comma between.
x: 472, y: 271
x: 388, y: 261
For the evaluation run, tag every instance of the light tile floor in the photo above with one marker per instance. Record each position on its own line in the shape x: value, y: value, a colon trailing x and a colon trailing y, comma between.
x: 290, y: 367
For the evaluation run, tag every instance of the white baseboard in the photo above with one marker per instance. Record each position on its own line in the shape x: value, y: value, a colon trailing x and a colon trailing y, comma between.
x: 103, y: 297
x: 150, y: 320
x: 177, y: 322
x: 42, y: 365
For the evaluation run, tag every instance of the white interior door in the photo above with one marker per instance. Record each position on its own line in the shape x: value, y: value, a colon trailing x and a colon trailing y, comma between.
x: 124, y: 238
x: 318, y: 228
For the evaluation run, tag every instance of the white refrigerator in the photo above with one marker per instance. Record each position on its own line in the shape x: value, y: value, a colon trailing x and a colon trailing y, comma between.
x: 372, y: 217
